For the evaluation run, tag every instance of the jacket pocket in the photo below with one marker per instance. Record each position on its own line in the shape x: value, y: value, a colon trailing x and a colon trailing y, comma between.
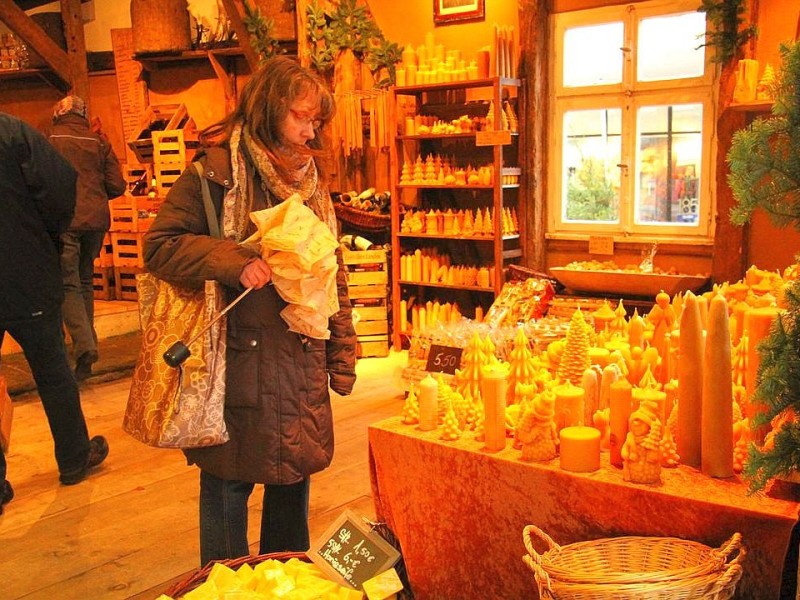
x: 243, y: 364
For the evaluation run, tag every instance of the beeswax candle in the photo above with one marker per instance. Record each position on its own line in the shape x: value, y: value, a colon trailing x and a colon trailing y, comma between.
x: 620, y: 410
x: 717, y: 423
x: 757, y: 324
x: 569, y: 405
x: 690, y: 382
x: 493, y: 392
x: 428, y: 403
x: 580, y: 449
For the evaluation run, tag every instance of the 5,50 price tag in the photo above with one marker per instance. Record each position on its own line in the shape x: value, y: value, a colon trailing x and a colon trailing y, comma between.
x: 443, y: 359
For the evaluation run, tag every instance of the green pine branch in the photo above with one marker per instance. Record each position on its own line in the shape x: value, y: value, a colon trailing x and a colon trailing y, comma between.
x: 726, y: 35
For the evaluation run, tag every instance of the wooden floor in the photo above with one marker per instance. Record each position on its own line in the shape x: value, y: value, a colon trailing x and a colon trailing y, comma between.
x: 131, y: 528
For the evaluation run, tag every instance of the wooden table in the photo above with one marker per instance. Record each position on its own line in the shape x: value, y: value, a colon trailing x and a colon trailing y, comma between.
x: 459, y: 511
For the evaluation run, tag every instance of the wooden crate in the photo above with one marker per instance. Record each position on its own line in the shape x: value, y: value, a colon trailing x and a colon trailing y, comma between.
x: 368, y: 291
x: 106, y: 256
x: 125, y: 283
x: 168, y: 146
x: 128, y: 248
x: 166, y: 174
x: 103, y: 283
x: 163, y: 117
x: 372, y: 346
x: 132, y: 213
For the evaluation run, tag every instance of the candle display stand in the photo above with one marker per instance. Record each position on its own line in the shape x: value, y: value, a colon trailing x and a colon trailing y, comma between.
x: 632, y: 567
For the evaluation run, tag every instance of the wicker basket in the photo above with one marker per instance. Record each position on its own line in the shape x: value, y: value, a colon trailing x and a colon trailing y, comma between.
x: 652, y: 568
x: 199, y: 576
x: 361, y: 219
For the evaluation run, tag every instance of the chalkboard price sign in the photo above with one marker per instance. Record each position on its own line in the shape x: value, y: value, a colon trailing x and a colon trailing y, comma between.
x: 443, y: 359
x: 351, y: 553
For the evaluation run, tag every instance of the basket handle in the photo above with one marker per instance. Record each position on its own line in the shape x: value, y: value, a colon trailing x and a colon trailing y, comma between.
x: 729, y: 579
x: 528, y: 540
x: 541, y: 576
x: 728, y: 548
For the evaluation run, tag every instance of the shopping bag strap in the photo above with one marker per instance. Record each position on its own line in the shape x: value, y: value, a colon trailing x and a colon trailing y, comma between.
x: 208, y: 205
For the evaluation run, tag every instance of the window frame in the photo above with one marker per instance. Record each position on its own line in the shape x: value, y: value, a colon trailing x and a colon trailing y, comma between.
x: 629, y: 95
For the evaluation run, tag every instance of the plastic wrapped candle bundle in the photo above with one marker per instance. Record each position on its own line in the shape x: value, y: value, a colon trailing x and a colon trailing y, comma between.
x: 300, y: 250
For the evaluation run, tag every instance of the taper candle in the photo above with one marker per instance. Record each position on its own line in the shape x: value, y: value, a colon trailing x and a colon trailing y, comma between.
x: 620, y: 410
x: 690, y: 382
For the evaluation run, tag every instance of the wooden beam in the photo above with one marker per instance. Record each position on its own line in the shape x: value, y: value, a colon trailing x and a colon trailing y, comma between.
x: 301, y: 7
x: 35, y: 37
x: 533, y: 18
x: 72, y: 16
x: 235, y: 10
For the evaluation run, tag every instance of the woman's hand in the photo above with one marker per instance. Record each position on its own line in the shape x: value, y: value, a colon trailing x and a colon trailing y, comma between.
x: 256, y: 274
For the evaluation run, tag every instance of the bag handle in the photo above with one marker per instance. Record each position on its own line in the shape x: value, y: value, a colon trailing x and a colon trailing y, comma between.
x: 208, y: 205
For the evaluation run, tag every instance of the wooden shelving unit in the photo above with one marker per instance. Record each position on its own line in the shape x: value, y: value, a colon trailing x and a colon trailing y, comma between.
x: 447, y: 101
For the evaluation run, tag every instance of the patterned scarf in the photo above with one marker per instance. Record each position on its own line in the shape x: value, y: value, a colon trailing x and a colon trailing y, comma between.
x: 238, y: 200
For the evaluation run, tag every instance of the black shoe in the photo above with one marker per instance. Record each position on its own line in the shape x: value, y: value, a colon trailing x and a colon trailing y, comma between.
x: 98, y: 450
x: 6, y: 495
x: 83, y: 366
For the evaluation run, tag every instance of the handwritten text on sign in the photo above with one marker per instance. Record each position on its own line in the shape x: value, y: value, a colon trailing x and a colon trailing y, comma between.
x: 351, y: 552
x: 443, y: 359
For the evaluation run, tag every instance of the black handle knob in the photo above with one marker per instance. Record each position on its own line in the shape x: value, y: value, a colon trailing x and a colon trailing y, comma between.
x: 176, y: 354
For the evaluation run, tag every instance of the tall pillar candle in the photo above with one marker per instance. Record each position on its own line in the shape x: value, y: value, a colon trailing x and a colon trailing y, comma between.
x: 493, y: 393
x: 428, y: 397
x: 579, y: 449
x: 690, y: 382
x: 717, y: 423
x: 757, y: 325
x: 620, y: 410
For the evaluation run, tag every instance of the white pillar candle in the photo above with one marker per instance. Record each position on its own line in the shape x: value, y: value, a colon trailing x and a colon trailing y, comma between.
x: 717, y: 423
x: 580, y: 449
x: 493, y: 393
x: 428, y: 403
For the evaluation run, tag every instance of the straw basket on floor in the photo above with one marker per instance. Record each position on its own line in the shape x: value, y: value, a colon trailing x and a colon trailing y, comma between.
x: 195, y: 579
x: 642, y: 568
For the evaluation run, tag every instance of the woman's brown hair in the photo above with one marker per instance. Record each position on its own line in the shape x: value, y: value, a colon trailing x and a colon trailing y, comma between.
x: 264, y: 104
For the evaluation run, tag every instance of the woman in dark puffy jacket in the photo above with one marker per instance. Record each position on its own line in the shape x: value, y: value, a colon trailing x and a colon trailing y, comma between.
x: 277, y: 407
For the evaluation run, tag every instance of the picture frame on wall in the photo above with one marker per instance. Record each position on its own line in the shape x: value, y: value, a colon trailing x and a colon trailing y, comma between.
x: 446, y: 12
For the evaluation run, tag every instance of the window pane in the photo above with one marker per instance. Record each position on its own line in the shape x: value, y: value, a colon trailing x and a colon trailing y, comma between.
x: 669, y: 47
x: 670, y: 146
x: 592, y: 147
x: 592, y: 55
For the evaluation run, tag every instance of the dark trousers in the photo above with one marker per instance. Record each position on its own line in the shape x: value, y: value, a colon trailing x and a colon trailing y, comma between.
x: 42, y: 342
x: 223, y: 518
x: 80, y: 248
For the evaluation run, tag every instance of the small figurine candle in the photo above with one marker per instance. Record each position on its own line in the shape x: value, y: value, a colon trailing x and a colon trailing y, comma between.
x: 580, y: 449
x: 641, y: 452
x: 493, y: 392
x: 428, y: 403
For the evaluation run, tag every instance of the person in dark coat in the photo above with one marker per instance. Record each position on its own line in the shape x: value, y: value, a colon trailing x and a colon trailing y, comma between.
x: 277, y: 405
x: 37, y: 195
x: 99, y: 180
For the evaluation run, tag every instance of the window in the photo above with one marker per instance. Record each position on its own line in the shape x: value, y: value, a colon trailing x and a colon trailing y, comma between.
x: 632, y: 126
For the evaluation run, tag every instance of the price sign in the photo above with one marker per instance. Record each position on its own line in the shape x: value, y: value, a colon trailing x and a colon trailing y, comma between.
x: 351, y: 553
x: 493, y: 138
x: 601, y: 244
x: 443, y: 359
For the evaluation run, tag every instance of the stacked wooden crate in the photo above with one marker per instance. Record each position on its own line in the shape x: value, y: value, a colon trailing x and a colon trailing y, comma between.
x: 103, y: 277
x: 131, y: 217
x: 367, y: 280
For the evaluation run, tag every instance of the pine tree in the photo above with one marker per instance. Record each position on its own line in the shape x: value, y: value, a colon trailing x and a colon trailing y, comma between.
x: 764, y: 157
x: 778, y: 388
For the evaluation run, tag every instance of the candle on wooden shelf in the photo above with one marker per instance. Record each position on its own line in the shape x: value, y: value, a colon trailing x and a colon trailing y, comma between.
x: 428, y: 403
x: 493, y: 393
x: 580, y: 449
x: 569, y: 405
x: 403, y: 316
x: 483, y: 61
x: 400, y: 76
x: 717, y: 422
x: 411, y: 75
x: 410, y: 126
x: 690, y: 382
x: 620, y: 395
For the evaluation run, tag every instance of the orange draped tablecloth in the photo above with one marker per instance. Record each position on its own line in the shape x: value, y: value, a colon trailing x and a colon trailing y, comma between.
x: 459, y: 511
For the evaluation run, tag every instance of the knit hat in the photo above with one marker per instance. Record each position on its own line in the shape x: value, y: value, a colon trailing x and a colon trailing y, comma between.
x: 70, y: 104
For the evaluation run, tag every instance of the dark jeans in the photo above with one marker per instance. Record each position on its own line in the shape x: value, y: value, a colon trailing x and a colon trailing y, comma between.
x: 223, y: 518
x: 80, y: 248
x: 42, y: 341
